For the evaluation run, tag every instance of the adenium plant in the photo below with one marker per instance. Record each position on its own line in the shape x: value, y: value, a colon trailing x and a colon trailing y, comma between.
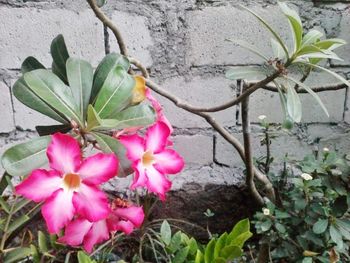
x: 104, y: 109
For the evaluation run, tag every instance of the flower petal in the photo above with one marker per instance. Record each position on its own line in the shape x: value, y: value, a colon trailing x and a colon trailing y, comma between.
x: 140, y: 178
x: 168, y: 162
x: 98, y: 168
x: 58, y: 210
x: 39, y: 185
x: 75, y: 232
x: 64, y: 153
x: 157, y: 182
x: 125, y: 226
x: 91, y: 203
x: 134, y: 145
x: 157, y: 137
x: 134, y: 214
x: 98, y: 233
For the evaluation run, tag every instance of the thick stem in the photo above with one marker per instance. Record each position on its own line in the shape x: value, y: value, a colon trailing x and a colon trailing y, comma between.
x: 248, y: 152
x: 107, y: 22
x: 268, y: 152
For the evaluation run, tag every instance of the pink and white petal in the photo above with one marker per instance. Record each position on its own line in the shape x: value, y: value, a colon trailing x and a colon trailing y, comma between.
x: 98, y: 233
x: 162, y: 118
x: 58, y: 210
x: 157, y: 182
x: 98, y: 168
x: 134, y: 214
x: 125, y: 226
x: 140, y: 178
x: 157, y: 137
x: 156, y: 105
x: 168, y: 162
x: 91, y: 203
x: 75, y: 232
x: 64, y: 153
x: 134, y: 145
x: 39, y: 185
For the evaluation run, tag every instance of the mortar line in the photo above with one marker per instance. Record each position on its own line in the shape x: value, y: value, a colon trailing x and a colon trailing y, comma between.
x: 345, y: 102
x: 12, y: 103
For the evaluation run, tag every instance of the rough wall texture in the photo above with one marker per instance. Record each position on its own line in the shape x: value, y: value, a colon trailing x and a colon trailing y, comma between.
x: 182, y: 42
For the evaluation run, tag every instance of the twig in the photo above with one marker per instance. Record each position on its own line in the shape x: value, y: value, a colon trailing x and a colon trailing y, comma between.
x: 107, y: 22
x: 333, y: 87
x: 248, y: 151
x: 139, y: 65
x: 268, y: 152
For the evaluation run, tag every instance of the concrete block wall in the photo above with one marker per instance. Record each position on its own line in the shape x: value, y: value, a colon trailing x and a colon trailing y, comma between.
x: 182, y: 42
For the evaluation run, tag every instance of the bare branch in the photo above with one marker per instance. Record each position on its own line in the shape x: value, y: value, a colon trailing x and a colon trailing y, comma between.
x: 248, y: 151
x: 107, y: 22
x: 333, y: 87
x: 139, y: 65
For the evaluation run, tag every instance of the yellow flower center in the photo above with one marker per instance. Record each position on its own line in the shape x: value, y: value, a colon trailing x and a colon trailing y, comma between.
x: 72, y: 180
x: 147, y: 158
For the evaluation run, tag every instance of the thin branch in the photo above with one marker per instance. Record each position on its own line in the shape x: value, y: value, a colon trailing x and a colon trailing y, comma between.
x: 107, y: 22
x: 139, y: 65
x: 333, y: 87
x: 248, y: 151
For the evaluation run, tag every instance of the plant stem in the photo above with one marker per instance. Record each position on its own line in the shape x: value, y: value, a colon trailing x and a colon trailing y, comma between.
x: 268, y: 152
x: 7, y: 224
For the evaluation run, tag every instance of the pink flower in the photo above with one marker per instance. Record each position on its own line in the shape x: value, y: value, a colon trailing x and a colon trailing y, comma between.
x: 71, y: 186
x: 81, y: 231
x: 151, y: 160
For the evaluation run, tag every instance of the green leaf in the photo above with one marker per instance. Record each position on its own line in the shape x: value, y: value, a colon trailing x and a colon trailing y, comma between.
x: 18, y: 222
x: 220, y: 260
x: 60, y: 55
x: 231, y: 252
x: 175, y: 242
x: 280, y: 228
x: 31, y: 63
x: 320, y: 226
x: 330, y: 44
x: 165, y: 232
x: 247, y: 72
x: 311, y: 92
x: 181, y: 255
x: 3, y: 182
x: 311, y: 37
x: 336, y: 236
x: 266, y: 225
x: 20, y: 204
x: 209, y: 251
x: 84, y: 258
x: 241, y: 227
x: 112, y: 145
x: 17, y: 254
x: 344, y: 227
x: 4, y: 205
x: 249, y: 47
x: 277, y: 50
x: 25, y: 95
x: 295, y: 23
x: 307, y: 260
x: 115, y: 93
x: 192, y: 244
x: 42, y: 242
x: 54, y: 92
x: 51, y: 129
x: 281, y: 214
x: 135, y: 116
x: 35, y: 254
x: 108, y: 63
x: 269, y: 28
x: 199, y: 257
x: 241, y: 239
x: 293, y: 104
x: 22, y: 158
x: 80, y: 78
x: 221, y: 242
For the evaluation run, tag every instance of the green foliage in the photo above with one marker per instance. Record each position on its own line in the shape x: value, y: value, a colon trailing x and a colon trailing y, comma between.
x: 308, y: 50
x: 312, y: 218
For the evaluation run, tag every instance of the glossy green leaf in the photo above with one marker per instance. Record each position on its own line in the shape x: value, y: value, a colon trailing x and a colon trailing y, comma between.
x: 344, y: 227
x: 220, y: 243
x: 199, y: 257
x: 59, y: 55
x: 112, y: 145
x: 209, y: 251
x: 248, y: 72
x: 25, y: 95
x: 241, y: 227
x: 192, y: 244
x: 18, y: 222
x: 330, y: 44
x: 311, y: 92
x: 115, y: 93
x: 17, y: 254
x: 241, y: 239
x: 277, y: 50
x: 54, y: 92
x: 220, y: 260
x: 181, y: 255
x: 311, y: 37
x: 84, y: 258
x: 280, y: 228
x: 269, y: 28
x: 336, y: 236
x: 295, y: 23
x: 3, y: 182
x: 80, y: 77
x: 165, y: 232
x: 249, y: 47
x: 108, y: 63
x: 35, y: 254
x: 320, y: 226
x: 22, y: 158
x: 231, y: 252
x: 294, y: 104
x: 48, y: 130
x: 4, y: 205
x: 31, y: 63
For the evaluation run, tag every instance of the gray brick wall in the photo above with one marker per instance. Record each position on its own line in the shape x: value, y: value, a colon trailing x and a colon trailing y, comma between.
x: 182, y: 42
